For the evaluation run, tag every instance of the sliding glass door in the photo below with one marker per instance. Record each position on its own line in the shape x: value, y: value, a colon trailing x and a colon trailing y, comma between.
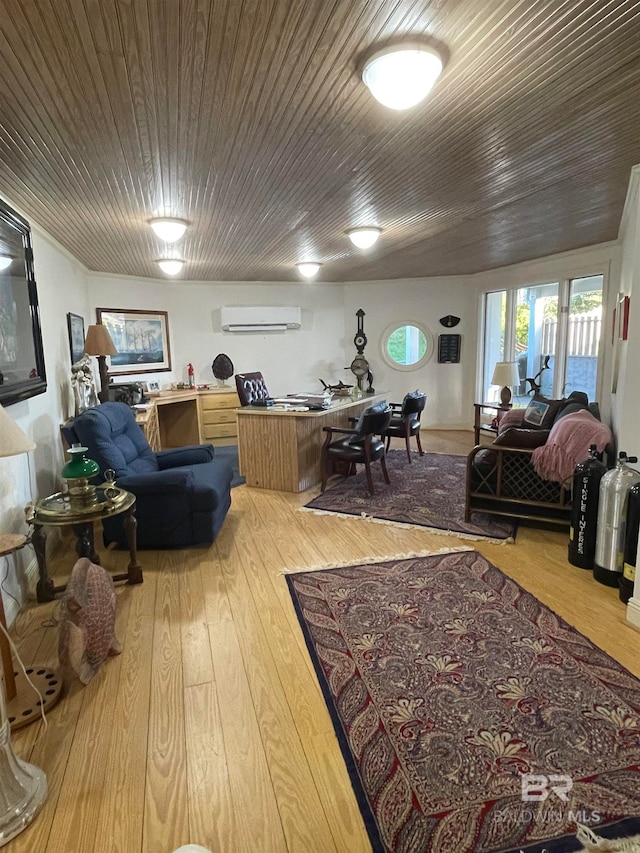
x: 551, y: 331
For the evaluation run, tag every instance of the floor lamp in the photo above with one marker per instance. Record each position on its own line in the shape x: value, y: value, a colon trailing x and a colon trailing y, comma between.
x: 23, y: 787
x: 98, y: 342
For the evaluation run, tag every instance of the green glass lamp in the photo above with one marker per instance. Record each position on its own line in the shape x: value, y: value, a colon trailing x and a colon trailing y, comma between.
x: 77, y: 472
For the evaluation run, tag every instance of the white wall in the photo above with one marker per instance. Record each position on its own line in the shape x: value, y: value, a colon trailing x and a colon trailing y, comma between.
x: 626, y: 402
x: 291, y: 361
x: 62, y: 287
x: 449, y: 387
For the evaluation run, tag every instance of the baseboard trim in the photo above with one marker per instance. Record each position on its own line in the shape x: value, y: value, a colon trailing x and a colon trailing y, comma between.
x: 633, y: 612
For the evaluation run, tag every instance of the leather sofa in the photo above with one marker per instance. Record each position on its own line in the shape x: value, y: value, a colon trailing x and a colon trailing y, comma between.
x: 182, y: 495
x: 501, y: 478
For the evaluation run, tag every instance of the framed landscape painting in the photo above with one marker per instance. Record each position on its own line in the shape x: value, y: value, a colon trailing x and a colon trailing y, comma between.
x: 141, y: 338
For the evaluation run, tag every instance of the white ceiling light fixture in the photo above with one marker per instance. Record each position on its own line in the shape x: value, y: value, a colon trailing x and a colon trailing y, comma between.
x: 5, y: 261
x: 170, y: 266
x: 169, y: 230
x: 364, y: 238
x: 308, y: 268
x: 402, y: 76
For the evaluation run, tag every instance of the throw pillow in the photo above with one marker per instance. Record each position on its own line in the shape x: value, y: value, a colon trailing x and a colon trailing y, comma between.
x: 569, y: 409
x: 525, y: 438
x: 541, y: 412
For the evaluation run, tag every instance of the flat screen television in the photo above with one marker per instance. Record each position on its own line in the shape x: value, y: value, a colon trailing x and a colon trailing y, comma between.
x: 22, y: 371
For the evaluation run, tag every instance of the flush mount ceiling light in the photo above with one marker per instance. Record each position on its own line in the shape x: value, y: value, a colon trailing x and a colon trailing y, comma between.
x: 170, y: 266
x: 364, y: 238
x: 402, y: 76
x: 308, y: 268
x: 5, y: 261
x: 169, y: 230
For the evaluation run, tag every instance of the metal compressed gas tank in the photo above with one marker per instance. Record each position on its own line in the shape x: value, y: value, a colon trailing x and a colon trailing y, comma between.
x: 584, y: 510
x: 628, y: 576
x: 612, y: 515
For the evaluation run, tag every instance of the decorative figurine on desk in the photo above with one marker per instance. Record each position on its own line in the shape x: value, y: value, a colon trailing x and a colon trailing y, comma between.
x: 82, y: 385
x: 338, y: 390
x: 222, y: 368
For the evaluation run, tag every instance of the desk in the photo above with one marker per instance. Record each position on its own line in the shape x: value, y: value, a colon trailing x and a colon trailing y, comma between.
x: 179, y: 418
x: 56, y: 511
x: 479, y: 427
x: 281, y: 449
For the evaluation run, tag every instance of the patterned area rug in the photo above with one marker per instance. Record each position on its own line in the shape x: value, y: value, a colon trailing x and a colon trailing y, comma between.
x: 472, y: 719
x: 428, y: 493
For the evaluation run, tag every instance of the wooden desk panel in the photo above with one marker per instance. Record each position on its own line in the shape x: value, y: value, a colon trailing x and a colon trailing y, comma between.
x: 281, y: 450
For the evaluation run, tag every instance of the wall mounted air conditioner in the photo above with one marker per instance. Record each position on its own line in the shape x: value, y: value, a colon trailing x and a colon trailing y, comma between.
x: 259, y: 318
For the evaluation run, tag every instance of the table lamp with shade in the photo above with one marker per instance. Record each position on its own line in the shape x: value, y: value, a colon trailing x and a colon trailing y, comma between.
x: 23, y: 787
x: 98, y: 342
x: 506, y: 373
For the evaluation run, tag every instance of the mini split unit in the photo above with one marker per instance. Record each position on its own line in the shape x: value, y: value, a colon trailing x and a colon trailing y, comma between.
x: 259, y: 318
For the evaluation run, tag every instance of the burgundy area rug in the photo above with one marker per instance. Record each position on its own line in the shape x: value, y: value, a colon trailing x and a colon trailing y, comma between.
x: 450, y: 687
x: 427, y: 493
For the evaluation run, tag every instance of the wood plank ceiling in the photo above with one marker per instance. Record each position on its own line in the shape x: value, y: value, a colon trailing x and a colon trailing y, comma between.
x: 249, y: 119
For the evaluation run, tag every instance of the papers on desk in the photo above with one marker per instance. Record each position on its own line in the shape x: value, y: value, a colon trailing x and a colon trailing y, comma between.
x: 286, y: 406
x: 314, y: 401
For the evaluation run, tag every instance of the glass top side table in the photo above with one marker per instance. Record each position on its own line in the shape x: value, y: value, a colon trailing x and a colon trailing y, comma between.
x: 57, y: 511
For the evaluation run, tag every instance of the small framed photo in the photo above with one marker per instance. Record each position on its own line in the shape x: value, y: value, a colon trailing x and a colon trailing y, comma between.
x: 141, y: 338
x: 153, y: 387
x: 75, y: 327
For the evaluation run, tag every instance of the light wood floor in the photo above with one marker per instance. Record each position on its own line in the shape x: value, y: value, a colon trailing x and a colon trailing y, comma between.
x: 210, y: 726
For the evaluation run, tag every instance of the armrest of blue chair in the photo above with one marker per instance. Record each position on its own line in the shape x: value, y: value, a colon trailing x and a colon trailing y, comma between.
x: 158, y: 483
x: 194, y: 454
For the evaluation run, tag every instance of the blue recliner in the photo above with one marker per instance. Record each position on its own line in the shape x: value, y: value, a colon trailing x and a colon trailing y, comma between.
x: 182, y: 495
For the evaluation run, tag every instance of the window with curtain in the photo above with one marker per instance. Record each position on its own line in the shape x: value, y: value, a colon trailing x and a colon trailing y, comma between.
x: 552, y: 331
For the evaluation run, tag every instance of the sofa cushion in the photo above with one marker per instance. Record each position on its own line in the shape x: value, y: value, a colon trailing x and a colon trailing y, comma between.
x: 526, y: 438
x: 541, y: 412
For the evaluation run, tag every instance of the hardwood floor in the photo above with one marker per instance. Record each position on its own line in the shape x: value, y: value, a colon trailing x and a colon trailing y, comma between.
x: 210, y: 726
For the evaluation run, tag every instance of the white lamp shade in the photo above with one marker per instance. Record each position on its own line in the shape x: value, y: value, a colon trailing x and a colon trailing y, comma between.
x: 170, y: 266
x: 308, y: 268
x: 400, y: 77
x: 169, y: 230
x: 364, y: 238
x: 13, y: 440
x: 506, y: 373
x: 5, y: 261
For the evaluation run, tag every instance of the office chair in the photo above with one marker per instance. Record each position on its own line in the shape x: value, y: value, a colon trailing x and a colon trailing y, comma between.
x: 361, y: 444
x: 251, y: 388
x: 405, y: 420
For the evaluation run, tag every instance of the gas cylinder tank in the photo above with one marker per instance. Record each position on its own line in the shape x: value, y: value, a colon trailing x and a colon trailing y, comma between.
x: 612, y: 514
x: 585, y: 496
x: 628, y: 576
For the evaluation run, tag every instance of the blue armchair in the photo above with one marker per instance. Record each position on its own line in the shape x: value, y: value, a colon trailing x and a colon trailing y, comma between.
x: 182, y: 495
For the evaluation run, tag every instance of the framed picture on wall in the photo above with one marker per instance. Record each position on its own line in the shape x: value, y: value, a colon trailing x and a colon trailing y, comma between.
x: 75, y: 327
x: 141, y: 338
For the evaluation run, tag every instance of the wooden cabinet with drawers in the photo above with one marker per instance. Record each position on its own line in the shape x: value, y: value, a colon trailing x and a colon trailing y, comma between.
x: 218, y: 424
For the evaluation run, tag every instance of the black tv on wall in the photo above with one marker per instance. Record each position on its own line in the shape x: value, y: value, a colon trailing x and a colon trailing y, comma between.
x: 22, y: 371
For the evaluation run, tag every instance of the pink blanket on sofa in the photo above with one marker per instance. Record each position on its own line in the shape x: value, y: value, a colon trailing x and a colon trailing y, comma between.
x: 568, y: 443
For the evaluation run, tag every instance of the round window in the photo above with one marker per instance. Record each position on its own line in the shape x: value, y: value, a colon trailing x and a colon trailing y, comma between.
x: 406, y: 346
